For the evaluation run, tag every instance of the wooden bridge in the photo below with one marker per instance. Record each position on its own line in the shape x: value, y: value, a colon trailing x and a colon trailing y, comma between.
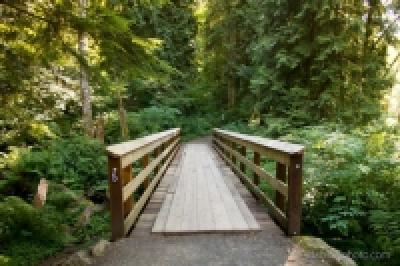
x: 209, y: 189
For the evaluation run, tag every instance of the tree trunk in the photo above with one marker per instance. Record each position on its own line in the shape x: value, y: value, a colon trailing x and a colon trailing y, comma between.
x: 84, y: 82
x: 122, y: 118
x: 231, y: 53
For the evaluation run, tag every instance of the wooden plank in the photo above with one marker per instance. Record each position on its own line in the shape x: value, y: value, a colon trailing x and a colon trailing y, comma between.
x: 159, y: 224
x: 204, y: 203
x: 275, y: 183
x: 280, y: 146
x: 274, y: 211
x: 245, y: 211
x: 173, y: 223
x: 235, y: 216
x: 124, y: 148
x: 295, y: 189
x: 131, y: 218
x: 221, y: 218
x: 150, y: 147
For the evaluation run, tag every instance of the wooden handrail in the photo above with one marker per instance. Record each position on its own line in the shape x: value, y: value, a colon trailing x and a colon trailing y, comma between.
x: 286, y: 209
x: 122, y: 185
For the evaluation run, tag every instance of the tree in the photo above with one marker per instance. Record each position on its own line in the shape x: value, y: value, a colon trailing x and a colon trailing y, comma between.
x: 84, y: 79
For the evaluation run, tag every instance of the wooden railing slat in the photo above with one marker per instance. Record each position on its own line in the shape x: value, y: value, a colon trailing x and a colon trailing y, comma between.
x: 131, y: 187
x: 124, y: 148
x: 277, y: 145
x: 135, y: 155
x: 276, y: 184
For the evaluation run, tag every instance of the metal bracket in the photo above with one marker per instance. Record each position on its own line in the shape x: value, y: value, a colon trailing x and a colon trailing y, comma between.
x: 114, y: 177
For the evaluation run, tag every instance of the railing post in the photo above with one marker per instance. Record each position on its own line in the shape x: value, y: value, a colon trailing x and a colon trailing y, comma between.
x: 294, y: 194
x: 126, y: 178
x: 257, y: 161
x: 233, y: 146
x: 157, y: 152
x: 280, y: 175
x: 145, y: 163
x: 116, y: 200
x: 242, y: 165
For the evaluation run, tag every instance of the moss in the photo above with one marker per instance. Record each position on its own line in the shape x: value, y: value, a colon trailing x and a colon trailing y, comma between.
x: 321, y: 249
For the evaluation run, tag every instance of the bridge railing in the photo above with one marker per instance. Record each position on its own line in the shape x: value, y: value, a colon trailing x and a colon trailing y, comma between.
x: 155, y: 153
x: 287, y: 183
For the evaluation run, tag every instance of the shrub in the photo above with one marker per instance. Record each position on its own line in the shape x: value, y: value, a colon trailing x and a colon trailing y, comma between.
x: 77, y: 162
x: 24, y: 228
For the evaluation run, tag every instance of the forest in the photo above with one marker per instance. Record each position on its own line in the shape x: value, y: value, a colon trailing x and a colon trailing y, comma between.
x: 76, y: 76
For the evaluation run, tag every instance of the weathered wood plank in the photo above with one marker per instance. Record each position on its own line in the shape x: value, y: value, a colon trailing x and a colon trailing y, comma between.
x: 202, y: 202
x: 124, y: 148
x: 159, y: 224
x: 280, y: 146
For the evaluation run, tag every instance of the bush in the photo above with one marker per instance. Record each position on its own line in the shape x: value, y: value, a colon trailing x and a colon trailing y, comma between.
x: 146, y: 121
x: 351, y: 186
x: 159, y: 118
x: 27, y: 235
x: 77, y: 162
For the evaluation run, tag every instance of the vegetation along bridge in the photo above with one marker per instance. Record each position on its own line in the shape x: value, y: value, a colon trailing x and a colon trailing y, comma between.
x: 185, y: 206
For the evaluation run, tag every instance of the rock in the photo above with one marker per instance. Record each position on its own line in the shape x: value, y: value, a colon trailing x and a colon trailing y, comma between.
x: 321, y: 249
x: 87, y: 213
x: 99, y: 248
x: 80, y: 258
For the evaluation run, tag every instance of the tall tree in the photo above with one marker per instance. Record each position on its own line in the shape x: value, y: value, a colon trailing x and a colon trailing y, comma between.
x: 87, y: 115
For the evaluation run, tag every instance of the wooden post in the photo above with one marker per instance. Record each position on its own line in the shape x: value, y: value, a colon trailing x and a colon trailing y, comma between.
x: 242, y: 165
x: 126, y: 178
x: 294, y: 194
x: 280, y: 175
x: 145, y: 162
x: 157, y: 152
x: 116, y: 201
x: 233, y: 146
x: 257, y: 161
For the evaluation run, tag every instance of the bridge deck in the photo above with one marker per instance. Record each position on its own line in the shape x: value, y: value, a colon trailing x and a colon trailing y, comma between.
x: 202, y: 198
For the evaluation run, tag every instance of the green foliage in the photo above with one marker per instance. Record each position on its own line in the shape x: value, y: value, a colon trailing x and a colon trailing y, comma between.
x: 351, y: 188
x: 159, y: 118
x: 306, y: 61
x: 77, y: 162
x: 28, y: 235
